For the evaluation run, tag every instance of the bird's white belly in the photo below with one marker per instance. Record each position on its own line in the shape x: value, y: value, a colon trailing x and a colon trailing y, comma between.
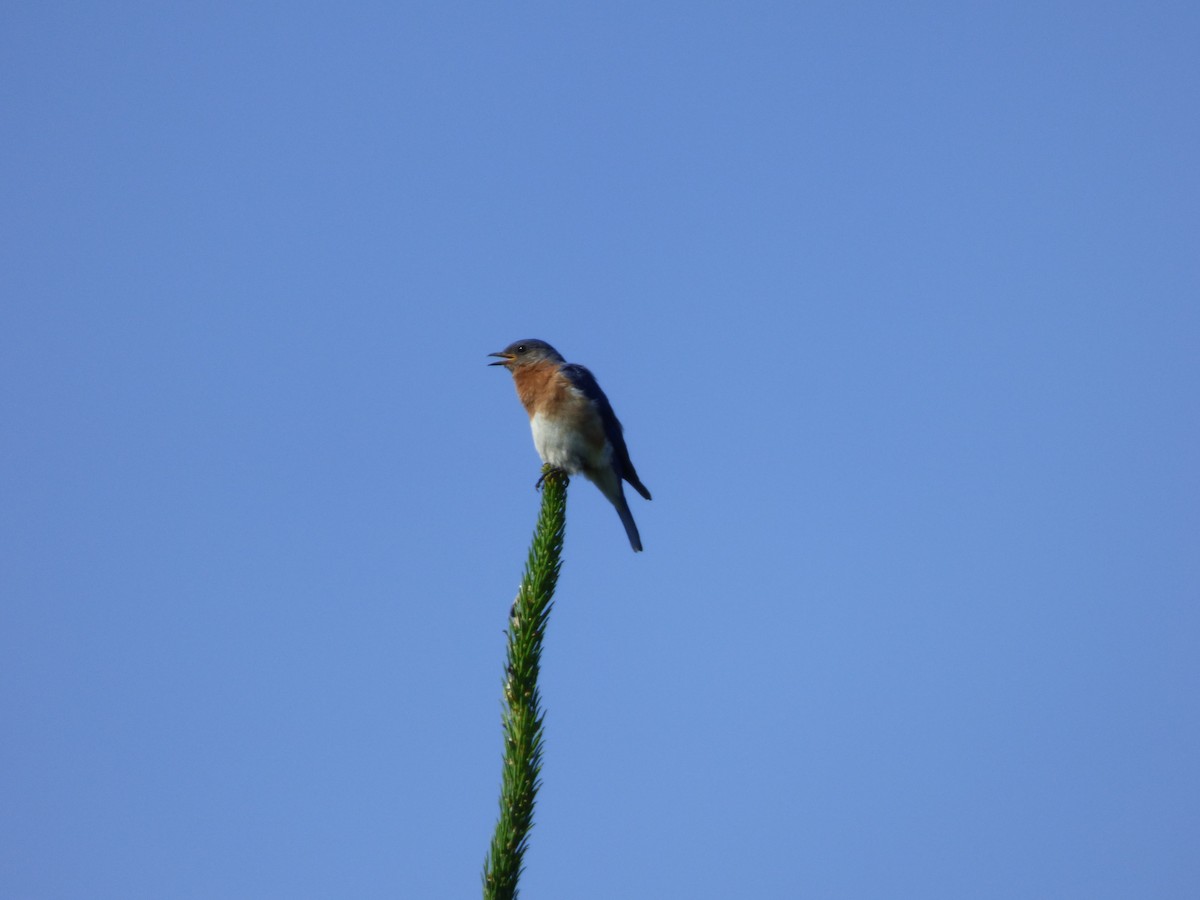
x: 561, y: 445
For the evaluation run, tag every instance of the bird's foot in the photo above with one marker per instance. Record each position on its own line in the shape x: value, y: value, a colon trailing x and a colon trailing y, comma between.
x: 547, y: 471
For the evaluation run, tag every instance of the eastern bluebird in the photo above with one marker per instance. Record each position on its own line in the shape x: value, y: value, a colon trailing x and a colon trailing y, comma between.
x: 574, y: 427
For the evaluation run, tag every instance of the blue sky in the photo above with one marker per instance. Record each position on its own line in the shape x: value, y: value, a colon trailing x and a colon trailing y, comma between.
x: 898, y: 304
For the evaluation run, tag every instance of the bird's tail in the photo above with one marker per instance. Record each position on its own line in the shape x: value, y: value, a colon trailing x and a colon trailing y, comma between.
x: 611, y: 487
x: 635, y: 540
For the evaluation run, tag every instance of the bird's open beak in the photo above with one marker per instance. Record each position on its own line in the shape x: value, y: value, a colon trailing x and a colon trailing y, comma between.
x: 505, y: 359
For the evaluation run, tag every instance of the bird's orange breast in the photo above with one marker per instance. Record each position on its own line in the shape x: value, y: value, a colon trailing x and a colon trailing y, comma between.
x: 542, y: 389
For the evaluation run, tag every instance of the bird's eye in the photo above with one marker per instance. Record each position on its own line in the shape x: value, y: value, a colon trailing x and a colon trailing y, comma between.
x: 521, y: 348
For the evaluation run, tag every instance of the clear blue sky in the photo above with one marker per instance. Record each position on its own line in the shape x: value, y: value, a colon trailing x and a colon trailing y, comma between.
x: 899, y: 303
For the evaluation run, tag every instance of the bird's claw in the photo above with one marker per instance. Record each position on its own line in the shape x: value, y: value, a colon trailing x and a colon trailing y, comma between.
x: 550, y: 470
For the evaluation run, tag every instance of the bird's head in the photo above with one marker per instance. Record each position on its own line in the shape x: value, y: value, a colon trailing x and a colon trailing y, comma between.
x: 525, y: 353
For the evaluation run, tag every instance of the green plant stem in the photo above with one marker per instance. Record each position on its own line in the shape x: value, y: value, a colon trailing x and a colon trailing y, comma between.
x: 522, y: 716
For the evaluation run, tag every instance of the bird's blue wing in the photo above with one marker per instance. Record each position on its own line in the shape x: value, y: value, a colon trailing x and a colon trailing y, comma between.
x: 586, y: 382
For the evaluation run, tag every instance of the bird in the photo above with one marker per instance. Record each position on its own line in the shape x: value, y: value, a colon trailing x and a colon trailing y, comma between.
x: 574, y: 427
